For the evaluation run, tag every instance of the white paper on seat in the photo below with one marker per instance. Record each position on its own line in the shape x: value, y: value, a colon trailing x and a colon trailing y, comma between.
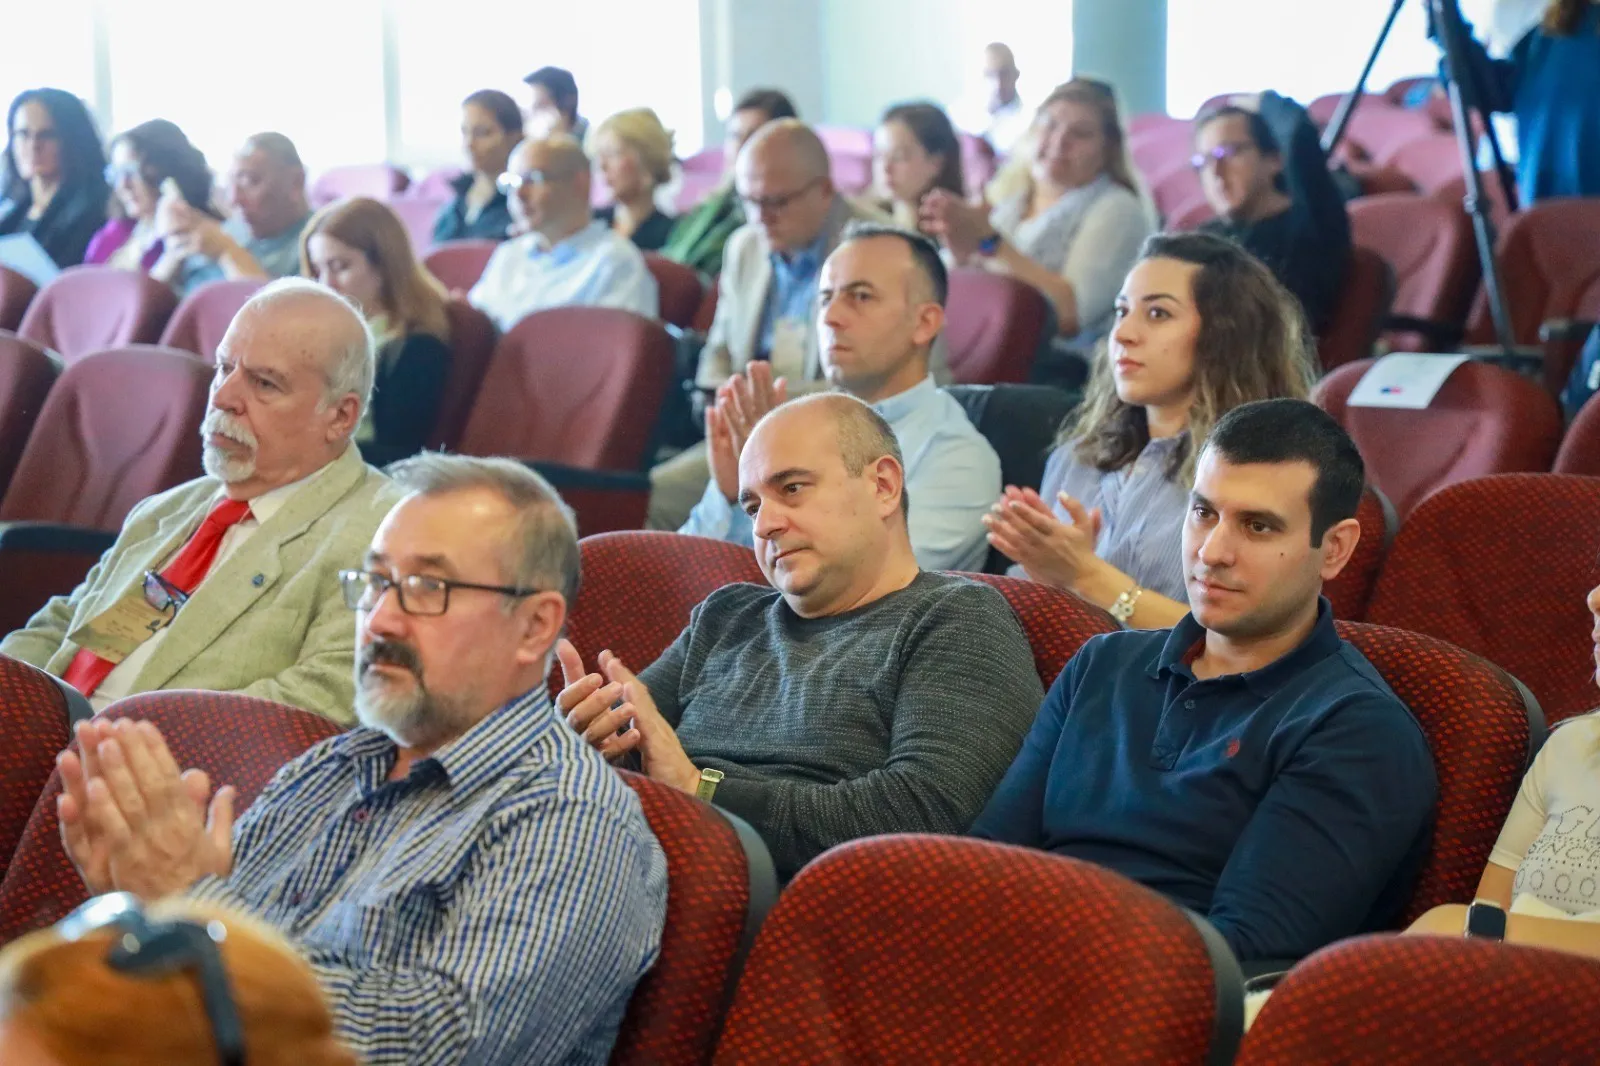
x: 27, y: 257
x: 1405, y: 379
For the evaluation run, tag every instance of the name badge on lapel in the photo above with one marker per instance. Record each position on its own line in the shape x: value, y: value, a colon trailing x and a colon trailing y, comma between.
x: 114, y: 633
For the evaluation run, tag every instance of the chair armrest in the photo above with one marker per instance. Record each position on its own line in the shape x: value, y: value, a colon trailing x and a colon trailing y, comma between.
x: 603, y: 500
x: 1440, y: 336
x: 1564, y: 330
x: 51, y: 538
x: 39, y: 560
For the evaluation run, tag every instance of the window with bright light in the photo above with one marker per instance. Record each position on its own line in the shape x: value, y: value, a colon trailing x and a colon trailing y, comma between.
x: 49, y: 45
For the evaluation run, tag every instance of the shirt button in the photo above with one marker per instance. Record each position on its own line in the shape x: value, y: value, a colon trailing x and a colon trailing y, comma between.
x: 360, y: 815
x: 297, y: 898
x: 1189, y: 704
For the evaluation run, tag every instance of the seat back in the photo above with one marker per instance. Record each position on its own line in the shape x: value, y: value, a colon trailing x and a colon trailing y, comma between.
x: 1432, y: 162
x: 1364, y: 301
x: 1003, y: 955
x: 1484, y: 420
x: 574, y: 385
x: 1580, y: 448
x: 204, y: 316
x: 377, y: 180
x: 16, y: 293
x: 1056, y: 623
x: 1548, y: 267
x: 459, y: 264
x: 639, y: 587
x: 472, y: 340
x: 1482, y: 733
x: 1421, y: 1000
x: 33, y: 729
x: 237, y: 740
x: 1429, y: 246
x: 126, y: 423
x: 1021, y: 423
x: 1512, y: 590
x: 92, y: 308
x: 1351, y: 591
x: 994, y: 326
x: 680, y: 289
x: 720, y: 885
x: 27, y: 373
x: 418, y: 213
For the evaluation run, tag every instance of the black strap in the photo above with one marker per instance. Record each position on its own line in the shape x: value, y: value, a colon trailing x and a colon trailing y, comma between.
x: 1228, y: 1018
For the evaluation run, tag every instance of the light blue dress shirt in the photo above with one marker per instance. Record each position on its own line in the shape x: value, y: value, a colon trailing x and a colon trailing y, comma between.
x: 793, y: 292
x: 592, y: 268
x: 952, y: 476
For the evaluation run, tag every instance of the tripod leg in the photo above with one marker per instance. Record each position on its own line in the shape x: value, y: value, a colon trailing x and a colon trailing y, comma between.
x: 1347, y: 107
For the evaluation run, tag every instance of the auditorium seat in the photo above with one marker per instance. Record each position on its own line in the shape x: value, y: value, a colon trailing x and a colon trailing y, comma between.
x: 1364, y: 301
x: 16, y: 292
x: 1176, y: 188
x: 1484, y: 420
x: 1056, y: 623
x: 237, y: 740
x: 1190, y: 216
x: 27, y: 373
x: 1432, y: 163
x: 925, y: 949
x: 639, y: 587
x: 845, y: 140
x: 708, y: 308
x: 417, y: 213
x: 472, y: 341
x: 34, y: 726
x: 436, y: 184
x: 1383, y: 130
x: 720, y: 886
x: 459, y: 264
x: 1423, y: 1000
x: 1580, y: 448
x: 1501, y: 566
x: 1482, y: 730
x: 92, y: 308
x: 852, y: 174
x: 1322, y: 108
x: 376, y: 180
x: 206, y: 313
x: 1430, y: 247
x: 1351, y: 591
x: 994, y: 327
x: 679, y: 287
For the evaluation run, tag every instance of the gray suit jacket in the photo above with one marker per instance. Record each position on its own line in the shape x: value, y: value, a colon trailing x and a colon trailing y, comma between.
x: 269, y: 621
x: 742, y: 298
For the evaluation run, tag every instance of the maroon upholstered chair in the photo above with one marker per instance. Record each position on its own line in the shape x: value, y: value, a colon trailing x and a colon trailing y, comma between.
x: 34, y: 717
x: 639, y: 587
x: 92, y: 308
x: 1364, y: 301
x: 1482, y: 730
x: 16, y: 292
x: 720, y: 886
x: 1429, y: 246
x: 708, y: 308
x: 1511, y: 590
x: 237, y: 740
x: 1421, y: 1000
x: 680, y: 290
x: 1432, y: 163
x: 939, y: 949
x: 1580, y: 448
x: 205, y: 314
x: 377, y: 180
x: 418, y: 212
x: 994, y: 326
x: 26, y: 374
x: 459, y: 264
x: 472, y: 340
x: 1056, y: 623
x: 1484, y: 420
x: 1351, y: 591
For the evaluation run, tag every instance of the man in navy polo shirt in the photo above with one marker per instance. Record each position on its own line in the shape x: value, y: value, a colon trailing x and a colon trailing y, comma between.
x: 1247, y: 763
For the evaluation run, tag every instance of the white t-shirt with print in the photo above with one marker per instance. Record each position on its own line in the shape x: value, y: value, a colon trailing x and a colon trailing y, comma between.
x: 1552, y: 836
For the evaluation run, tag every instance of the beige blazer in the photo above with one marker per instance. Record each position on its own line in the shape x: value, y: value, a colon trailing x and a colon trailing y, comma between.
x: 742, y: 297
x: 268, y: 621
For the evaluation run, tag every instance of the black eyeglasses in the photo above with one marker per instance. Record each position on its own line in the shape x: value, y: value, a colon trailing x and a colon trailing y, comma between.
x: 162, y: 594
x: 756, y: 207
x: 420, y: 594
x: 156, y: 949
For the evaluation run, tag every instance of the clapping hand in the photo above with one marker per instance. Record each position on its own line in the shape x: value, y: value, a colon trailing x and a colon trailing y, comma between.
x: 741, y: 402
x: 616, y: 715
x: 1053, y: 552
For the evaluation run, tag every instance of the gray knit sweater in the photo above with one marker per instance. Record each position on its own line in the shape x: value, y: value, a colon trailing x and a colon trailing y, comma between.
x: 898, y: 717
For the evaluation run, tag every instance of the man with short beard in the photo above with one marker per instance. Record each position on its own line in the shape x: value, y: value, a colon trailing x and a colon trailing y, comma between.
x: 228, y: 582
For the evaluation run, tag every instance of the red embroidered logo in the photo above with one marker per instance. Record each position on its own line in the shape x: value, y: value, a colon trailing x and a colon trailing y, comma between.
x: 1233, y: 747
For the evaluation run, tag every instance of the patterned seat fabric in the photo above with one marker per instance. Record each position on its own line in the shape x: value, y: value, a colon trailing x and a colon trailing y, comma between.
x: 1478, y: 731
x: 33, y: 729
x: 1580, y: 448
x: 1056, y: 623
x: 1351, y: 591
x: 204, y: 316
x: 237, y: 740
x: 994, y: 327
x: 1420, y: 1001
x: 922, y: 949
x: 1512, y: 589
x: 92, y: 308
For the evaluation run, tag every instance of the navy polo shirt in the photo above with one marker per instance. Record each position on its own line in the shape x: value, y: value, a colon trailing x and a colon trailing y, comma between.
x: 1292, y: 805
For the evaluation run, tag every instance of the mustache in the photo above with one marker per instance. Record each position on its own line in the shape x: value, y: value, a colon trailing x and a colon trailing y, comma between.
x: 222, y: 424
x: 390, y: 653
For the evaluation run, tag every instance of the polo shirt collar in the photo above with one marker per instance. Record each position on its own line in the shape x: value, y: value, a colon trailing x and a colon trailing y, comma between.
x: 568, y: 249
x: 1322, y: 642
x: 901, y: 405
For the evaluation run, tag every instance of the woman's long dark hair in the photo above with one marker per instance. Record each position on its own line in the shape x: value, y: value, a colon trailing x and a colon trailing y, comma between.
x: 83, y: 160
x: 164, y: 152
x: 931, y: 127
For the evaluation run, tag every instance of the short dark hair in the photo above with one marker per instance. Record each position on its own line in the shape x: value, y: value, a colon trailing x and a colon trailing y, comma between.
x: 1260, y: 130
x: 561, y: 86
x: 1297, y: 431
x: 507, y: 115
x: 924, y: 253
x: 774, y: 103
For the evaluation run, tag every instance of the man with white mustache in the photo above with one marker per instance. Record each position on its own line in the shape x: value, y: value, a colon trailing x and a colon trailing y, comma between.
x: 229, y: 582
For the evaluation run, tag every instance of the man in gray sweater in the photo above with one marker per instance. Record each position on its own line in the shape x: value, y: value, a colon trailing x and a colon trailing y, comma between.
x: 857, y: 695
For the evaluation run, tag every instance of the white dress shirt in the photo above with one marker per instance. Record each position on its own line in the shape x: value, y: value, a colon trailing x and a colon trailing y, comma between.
x: 594, y: 267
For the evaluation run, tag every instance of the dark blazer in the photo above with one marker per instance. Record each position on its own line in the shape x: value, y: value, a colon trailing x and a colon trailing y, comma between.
x: 651, y: 235
x: 65, y: 228
x: 492, y: 222
x: 405, y: 396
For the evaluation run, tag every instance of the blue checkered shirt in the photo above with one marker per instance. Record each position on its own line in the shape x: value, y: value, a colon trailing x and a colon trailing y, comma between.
x: 495, y: 906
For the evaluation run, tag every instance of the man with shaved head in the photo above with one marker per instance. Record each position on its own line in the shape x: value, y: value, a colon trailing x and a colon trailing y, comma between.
x: 563, y: 257
x: 856, y: 693
x: 229, y: 582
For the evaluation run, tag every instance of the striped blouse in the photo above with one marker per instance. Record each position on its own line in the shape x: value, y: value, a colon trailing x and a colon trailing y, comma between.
x: 495, y: 906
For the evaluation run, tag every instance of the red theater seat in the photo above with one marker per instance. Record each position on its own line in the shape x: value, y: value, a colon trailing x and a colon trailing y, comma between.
x: 92, y: 308
x: 204, y: 316
x: 994, y: 326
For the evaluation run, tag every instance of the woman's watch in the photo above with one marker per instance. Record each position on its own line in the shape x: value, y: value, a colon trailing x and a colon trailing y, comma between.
x: 1485, y: 921
x: 707, y: 787
x: 988, y: 246
x: 1122, y: 608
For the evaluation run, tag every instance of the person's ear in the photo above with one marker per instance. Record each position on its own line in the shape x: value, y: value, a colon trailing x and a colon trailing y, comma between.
x: 889, y: 483
x: 930, y: 323
x: 540, y: 618
x: 1338, y: 545
x: 346, y: 416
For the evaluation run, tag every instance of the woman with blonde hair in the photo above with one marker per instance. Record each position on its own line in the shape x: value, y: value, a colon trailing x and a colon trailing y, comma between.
x: 634, y: 154
x: 359, y: 248
x: 1202, y: 327
x: 1073, y: 228
x: 182, y: 984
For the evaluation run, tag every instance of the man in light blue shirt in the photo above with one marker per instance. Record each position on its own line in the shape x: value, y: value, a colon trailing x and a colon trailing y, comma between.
x: 564, y: 258
x: 881, y: 301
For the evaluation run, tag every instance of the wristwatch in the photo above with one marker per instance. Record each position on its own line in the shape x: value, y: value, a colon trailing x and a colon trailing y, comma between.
x: 1485, y: 921
x: 1122, y: 609
x: 990, y: 244
x: 709, y: 780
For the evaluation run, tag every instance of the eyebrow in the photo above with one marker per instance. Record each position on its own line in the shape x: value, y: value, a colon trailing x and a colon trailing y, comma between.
x: 1270, y: 518
x: 747, y: 495
x: 847, y: 287
x: 1150, y: 298
x: 421, y: 562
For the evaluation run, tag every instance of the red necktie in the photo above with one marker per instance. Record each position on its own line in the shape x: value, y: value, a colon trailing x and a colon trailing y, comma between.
x: 185, y: 572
